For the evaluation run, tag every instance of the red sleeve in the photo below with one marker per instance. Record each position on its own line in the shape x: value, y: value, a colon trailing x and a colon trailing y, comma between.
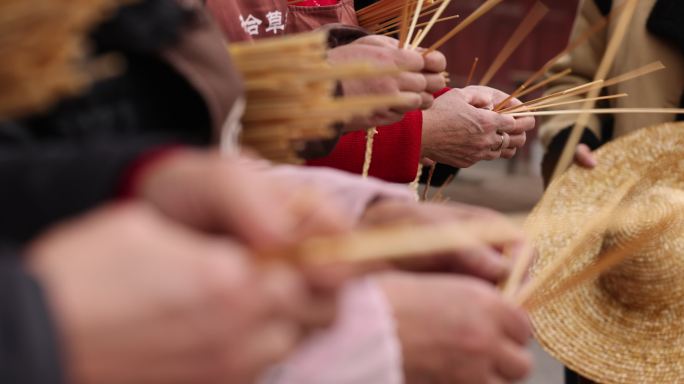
x: 441, y: 92
x: 396, y: 151
x: 133, y: 175
x: 316, y: 3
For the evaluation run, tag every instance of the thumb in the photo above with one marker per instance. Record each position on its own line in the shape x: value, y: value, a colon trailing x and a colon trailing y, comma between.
x: 482, y: 101
x: 584, y: 157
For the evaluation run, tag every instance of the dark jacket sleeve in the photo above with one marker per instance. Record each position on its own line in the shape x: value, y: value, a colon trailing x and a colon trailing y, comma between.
x: 28, y: 341
x: 441, y: 175
x: 557, y: 146
x: 47, y: 182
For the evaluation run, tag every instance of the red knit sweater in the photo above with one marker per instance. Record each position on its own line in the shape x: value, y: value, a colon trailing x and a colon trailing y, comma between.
x: 316, y: 3
x: 396, y: 150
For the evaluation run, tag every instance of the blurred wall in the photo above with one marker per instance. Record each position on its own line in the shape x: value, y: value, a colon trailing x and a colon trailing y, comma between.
x: 486, y: 37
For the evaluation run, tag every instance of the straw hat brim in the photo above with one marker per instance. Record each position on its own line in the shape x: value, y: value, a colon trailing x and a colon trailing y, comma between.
x: 585, y: 328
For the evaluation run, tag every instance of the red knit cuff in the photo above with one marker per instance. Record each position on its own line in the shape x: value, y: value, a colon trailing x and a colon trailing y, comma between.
x: 441, y: 92
x: 133, y: 175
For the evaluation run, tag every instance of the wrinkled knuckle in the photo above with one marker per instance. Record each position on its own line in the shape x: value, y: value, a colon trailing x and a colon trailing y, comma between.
x: 219, y: 283
x: 476, y: 342
x: 526, y: 364
x: 421, y: 82
x: 388, y: 85
x: 484, y: 144
x: 384, y: 55
x: 428, y: 100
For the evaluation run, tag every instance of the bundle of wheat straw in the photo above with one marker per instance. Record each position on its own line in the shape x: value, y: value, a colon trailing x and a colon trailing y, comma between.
x: 291, y: 93
x: 386, y: 15
x: 43, y: 50
x: 398, y: 242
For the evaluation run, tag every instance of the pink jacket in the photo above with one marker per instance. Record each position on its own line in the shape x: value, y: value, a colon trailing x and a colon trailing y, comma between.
x: 362, y: 346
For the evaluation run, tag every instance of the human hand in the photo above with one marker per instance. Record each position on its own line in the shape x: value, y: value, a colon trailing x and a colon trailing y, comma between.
x: 457, y: 330
x: 584, y: 157
x: 419, y: 79
x: 461, y: 129
x: 217, y: 194
x: 434, y: 63
x: 483, y: 260
x: 138, y: 299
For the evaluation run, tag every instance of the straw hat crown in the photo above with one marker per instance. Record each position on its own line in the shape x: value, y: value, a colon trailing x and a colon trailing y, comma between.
x: 627, y: 326
x: 644, y: 281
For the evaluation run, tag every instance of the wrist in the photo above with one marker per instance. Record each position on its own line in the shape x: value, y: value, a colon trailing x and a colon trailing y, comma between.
x: 427, y: 134
x: 138, y: 172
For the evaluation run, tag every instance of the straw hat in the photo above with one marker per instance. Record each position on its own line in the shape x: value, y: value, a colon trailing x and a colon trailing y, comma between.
x: 628, y: 325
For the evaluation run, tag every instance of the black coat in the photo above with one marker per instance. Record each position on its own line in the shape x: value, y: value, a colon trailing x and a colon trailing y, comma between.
x: 28, y: 342
x: 72, y: 158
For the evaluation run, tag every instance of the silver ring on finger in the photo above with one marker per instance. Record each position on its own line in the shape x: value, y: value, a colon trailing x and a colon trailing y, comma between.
x: 507, y: 141
x: 501, y: 145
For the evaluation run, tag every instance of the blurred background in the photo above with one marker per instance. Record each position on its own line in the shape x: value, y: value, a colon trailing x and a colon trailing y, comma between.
x: 511, y: 186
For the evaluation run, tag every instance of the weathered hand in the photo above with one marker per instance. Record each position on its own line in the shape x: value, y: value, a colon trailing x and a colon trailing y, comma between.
x: 584, y: 157
x: 216, y: 194
x: 482, y: 260
x: 457, y: 330
x: 461, y: 129
x: 419, y: 78
x: 139, y: 299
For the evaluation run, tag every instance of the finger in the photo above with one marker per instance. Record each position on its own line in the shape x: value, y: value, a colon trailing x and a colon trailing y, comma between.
x: 316, y: 216
x: 427, y: 100
x: 584, y: 157
x: 320, y: 313
x: 496, y: 380
x: 509, y: 153
x: 482, y: 262
x: 254, y: 220
x: 524, y: 124
x: 412, y: 82
x: 515, y: 323
x: 494, y: 147
x: 435, y: 62
x: 498, y: 95
x: 410, y: 101
x: 387, y: 117
x: 490, y: 155
x: 513, y: 363
x: 510, y: 103
x: 506, y: 140
x: 496, y: 141
x: 480, y: 100
x: 408, y: 60
x: 435, y: 82
x: 330, y: 278
x: 265, y: 346
x: 379, y: 41
x: 283, y: 291
x: 516, y: 141
x: 503, y: 123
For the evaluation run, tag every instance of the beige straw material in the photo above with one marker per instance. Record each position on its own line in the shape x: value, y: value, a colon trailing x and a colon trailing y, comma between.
x: 45, y: 53
x: 627, y: 326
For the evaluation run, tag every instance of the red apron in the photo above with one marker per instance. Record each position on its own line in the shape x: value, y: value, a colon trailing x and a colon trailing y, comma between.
x: 307, y: 18
x: 201, y: 56
x: 243, y: 20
